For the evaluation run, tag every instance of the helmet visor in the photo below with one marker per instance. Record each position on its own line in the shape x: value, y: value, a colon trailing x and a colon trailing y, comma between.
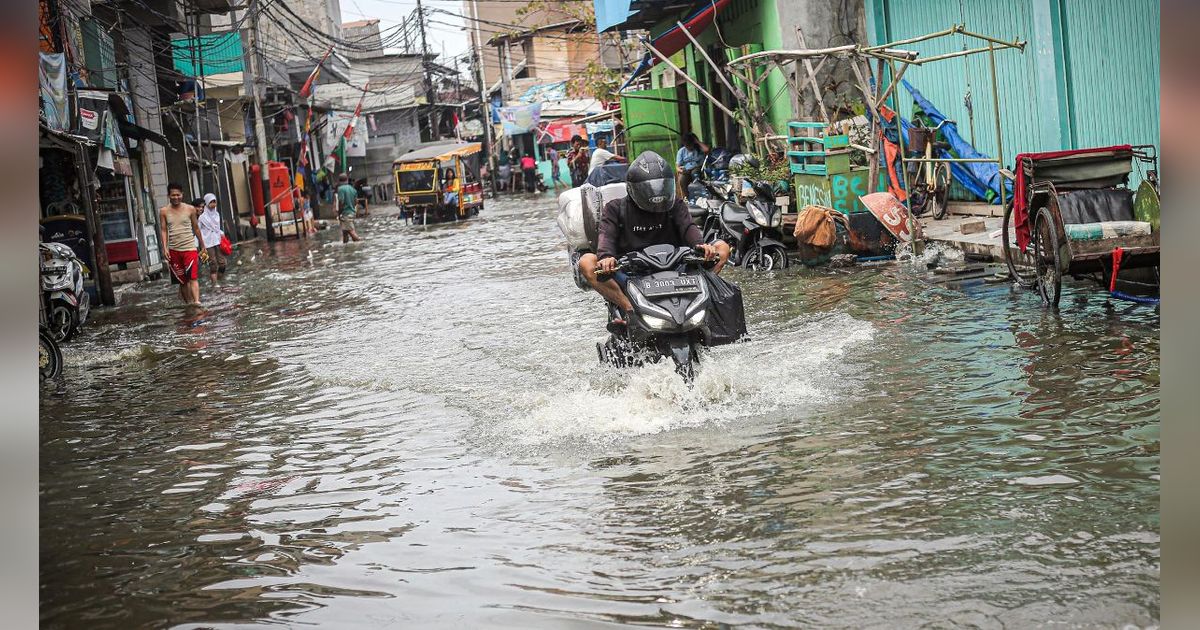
x: 654, y: 195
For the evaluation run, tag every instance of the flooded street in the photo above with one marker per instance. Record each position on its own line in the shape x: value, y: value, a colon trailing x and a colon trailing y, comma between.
x: 414, y: 431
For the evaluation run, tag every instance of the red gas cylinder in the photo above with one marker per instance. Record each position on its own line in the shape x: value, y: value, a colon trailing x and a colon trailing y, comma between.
x: 281, y: 187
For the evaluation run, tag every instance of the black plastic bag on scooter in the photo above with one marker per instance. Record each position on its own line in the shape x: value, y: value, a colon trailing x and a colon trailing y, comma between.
x: 726, y: 315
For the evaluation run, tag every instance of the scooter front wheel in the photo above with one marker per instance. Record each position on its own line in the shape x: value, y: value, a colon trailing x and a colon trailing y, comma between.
x: 61, y: 322
x: 681, y: 351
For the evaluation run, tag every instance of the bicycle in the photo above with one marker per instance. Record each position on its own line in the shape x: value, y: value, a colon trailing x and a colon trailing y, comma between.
x: 931, y: 182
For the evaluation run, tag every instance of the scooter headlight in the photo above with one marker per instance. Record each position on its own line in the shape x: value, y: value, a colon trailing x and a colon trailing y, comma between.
x: 697, y: 319
x: 777, y: 219
x: 757, y: 214
x: 657, y: 323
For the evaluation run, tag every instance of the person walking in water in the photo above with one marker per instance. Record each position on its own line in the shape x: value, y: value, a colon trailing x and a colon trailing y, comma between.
x: 347, y: 198
x: 555, y: 169
x: 179, y: 232
x: 210, y: 229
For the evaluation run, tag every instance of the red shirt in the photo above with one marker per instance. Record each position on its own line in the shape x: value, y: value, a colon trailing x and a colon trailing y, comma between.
x: 527, y: 162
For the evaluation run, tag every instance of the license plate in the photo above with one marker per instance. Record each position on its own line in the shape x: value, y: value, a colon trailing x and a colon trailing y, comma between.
x: 654, y: 287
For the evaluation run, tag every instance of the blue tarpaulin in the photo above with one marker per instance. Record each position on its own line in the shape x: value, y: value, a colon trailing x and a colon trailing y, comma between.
x: 981, y: 178
x: 610, y: 13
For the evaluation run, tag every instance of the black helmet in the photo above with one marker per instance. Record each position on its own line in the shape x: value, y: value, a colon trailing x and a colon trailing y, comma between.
x: 742, y: 158
x: 650, y: 183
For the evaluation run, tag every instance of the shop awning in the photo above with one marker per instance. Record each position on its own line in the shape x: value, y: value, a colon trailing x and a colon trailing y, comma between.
x: 674, y: 40
x: 137, y: 132
x: 612, y: 113
x: 636, y: 14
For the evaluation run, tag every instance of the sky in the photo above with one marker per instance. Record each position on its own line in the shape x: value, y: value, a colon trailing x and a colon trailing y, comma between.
x: 447, y: 36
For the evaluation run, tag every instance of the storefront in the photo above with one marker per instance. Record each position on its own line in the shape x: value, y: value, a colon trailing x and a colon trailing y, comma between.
x: 67, y: 206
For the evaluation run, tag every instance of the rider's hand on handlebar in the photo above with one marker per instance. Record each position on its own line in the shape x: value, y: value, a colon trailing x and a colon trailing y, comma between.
x: 606, y: 266
x: 708, y: 251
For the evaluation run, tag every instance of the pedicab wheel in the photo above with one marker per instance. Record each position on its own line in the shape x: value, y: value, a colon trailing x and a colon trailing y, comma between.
x: 1021, y: 267
x: 941, y: 188
x: 1046, y: 253
x: 49, y: 356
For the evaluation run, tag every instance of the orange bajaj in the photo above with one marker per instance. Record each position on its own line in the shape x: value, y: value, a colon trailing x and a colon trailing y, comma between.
x: 439, y: 182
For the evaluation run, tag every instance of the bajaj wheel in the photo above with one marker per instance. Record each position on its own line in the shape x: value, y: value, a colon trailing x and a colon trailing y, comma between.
x: 49, y: 356
x: 61, y: 322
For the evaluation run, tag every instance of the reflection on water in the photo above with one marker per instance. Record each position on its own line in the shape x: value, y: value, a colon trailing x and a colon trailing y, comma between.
x: 414, y: 430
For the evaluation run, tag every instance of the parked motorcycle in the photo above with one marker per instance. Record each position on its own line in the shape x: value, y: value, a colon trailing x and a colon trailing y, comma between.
x: 66, y: 302
x: 50, y: 357
x: 752, y: 228
x: 711, y: 186
x: 671, y: 300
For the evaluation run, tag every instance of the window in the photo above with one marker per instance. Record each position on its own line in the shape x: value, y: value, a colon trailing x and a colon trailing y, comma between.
x: 416, y: 181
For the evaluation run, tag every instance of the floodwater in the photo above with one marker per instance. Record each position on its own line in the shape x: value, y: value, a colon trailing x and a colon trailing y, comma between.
x: 415, y: 432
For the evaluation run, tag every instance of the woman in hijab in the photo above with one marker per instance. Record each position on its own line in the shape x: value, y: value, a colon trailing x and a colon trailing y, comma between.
x: 210, y: 231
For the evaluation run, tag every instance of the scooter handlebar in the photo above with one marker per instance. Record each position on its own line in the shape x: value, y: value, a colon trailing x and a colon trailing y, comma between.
x: 623, y: 264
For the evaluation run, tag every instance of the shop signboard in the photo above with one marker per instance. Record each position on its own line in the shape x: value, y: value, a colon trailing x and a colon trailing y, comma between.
x: 521, y: 118
x: 556, y: 131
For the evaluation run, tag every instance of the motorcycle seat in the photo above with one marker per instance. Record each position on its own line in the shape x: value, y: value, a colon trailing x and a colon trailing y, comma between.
x: 733, y: 214
x: 698, y: 212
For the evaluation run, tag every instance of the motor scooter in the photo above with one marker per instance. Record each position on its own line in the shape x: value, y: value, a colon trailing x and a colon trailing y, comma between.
x: 711, y: 185
x: 671, y: 300
x: 66, y: 302
x: 752, y: 228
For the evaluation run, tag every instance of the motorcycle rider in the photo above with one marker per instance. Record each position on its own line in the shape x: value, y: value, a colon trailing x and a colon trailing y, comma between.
x: 650, y: 214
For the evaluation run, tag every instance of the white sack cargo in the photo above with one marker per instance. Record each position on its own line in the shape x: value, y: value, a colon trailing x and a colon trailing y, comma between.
x: 570, y: 219
x: 593, y: 204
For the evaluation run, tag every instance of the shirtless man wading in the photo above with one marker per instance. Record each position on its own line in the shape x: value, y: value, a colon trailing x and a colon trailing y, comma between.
x: 179, y: 232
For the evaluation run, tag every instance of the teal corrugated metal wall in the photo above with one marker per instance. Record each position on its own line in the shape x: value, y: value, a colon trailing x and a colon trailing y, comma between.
x: 1112, y: 71
x: 1088, y: 76
x: 947, y: 83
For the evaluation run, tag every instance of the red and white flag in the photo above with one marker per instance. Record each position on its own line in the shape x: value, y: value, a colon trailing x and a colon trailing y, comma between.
x: 357, y: 113
x: 307, y: 89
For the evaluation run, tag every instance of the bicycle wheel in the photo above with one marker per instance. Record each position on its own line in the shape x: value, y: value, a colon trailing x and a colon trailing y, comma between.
x: 1021, y: 265
x: 941, y: 189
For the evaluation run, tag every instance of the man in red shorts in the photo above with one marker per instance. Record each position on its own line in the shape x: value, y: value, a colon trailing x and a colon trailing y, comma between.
x: 179, y: 232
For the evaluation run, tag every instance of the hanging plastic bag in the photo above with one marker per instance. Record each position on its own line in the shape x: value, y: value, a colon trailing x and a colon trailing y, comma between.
x: 726, y: 315
x: 225, y: 246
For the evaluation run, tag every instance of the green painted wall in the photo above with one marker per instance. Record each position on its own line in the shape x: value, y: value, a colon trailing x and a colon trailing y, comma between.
x: 1088, y: 76
x: 757, y: 22
x: 754, y: 22
x: 652, y: 121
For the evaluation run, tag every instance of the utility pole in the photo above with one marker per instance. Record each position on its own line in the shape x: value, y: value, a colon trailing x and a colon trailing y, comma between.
x: 430, y: 93
x: 192, y: 18
x: 260, y: 132
x: 489, y: 147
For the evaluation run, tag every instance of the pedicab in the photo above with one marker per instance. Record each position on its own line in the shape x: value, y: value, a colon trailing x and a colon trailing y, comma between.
x: 421, y: 178
x: 1073, y: 213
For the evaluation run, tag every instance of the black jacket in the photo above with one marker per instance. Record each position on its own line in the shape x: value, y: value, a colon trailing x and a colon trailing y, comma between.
x: 624, y: 227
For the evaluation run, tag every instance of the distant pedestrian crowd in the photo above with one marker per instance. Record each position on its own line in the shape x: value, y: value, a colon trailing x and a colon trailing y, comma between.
x: 517, y: 171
